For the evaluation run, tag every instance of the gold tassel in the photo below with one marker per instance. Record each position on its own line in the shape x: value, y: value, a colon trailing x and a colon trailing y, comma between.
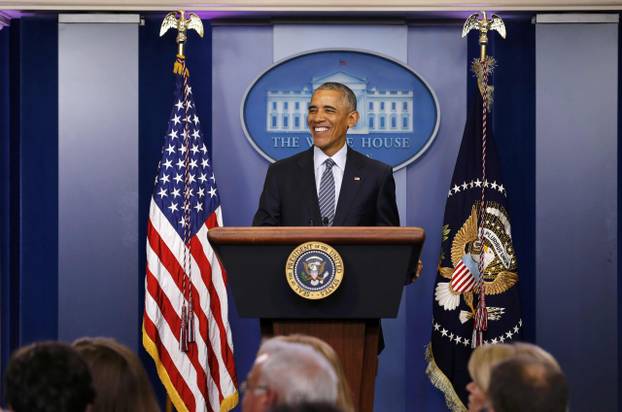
x: 179, y: 66
x: 477, y: 67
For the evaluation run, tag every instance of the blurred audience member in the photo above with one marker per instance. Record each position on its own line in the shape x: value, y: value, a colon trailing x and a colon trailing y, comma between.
x: 482, y: 361
x: 48, y: 377
x: 344, y: 394
x: 525, y: 383
x: 485, y: 358
x: 119, y: 378
x: 307, y: 407
x: 287, y: 373
x: 536, y: 352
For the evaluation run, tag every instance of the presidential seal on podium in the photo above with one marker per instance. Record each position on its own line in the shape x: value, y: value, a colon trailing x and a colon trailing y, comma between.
x: 314, y: 270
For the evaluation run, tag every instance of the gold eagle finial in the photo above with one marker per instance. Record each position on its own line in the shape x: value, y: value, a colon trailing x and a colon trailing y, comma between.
x: 484, y: 25
x: 183, y: 22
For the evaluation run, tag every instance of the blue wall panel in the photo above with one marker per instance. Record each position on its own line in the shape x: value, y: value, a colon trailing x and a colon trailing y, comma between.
x: 98, y: 181
x: 576, y: 206
x: 38, y: 127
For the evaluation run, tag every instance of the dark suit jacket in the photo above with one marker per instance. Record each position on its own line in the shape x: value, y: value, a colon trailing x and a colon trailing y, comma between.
x: 366, y: 197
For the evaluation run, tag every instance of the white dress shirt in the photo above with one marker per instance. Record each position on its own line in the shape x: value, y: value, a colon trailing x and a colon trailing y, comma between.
x: 338, y: 169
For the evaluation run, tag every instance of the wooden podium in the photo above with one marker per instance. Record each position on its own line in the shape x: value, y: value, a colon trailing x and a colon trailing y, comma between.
x: 378, y: 262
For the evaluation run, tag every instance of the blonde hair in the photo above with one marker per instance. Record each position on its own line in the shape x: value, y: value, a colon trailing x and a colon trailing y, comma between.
x: 344, y: 394
x: 485, y: 358
x: 537, y: 353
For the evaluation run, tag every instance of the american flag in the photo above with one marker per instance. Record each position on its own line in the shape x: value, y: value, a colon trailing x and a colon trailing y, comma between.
x: 185, y: 324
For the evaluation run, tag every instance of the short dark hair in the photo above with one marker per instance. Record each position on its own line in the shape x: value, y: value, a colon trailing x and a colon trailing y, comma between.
x: 526, y: 384
x: 48, y: 377
x: 347, y: 93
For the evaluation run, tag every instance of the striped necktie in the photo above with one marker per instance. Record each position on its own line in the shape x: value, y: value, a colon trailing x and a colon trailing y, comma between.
x: 327, y: 193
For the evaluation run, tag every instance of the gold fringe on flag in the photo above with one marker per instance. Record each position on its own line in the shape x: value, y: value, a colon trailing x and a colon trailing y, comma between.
x: 442, y: 383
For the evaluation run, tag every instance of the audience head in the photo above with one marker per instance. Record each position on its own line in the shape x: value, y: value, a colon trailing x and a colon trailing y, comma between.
x: 119, y: 378
x: 483, y: 360
x: 525, y: 383
x: 307, y: 407
x: 535, y: 352
x: 48, y: 377
x: 287, y: 373
x: 344, y: 394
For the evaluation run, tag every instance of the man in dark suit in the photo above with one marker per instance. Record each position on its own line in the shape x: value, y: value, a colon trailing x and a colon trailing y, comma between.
x: 329, y: 184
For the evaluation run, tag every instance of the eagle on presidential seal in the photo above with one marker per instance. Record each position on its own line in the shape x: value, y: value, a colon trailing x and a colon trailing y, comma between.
x: 499, y: 261
x: 314, y: 270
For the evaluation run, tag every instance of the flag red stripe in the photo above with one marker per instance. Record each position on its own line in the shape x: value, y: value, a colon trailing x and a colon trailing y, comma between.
x: 460, y: 270
x: 460, y: 283
x: 206, y: 272
x: 470, y: 284
x: 460, y: 287
x: 178, y: 381
x: 461, y: 279
x: 171, y: 317
x: 170, y: 262
x: 466, y: 286
x: 215, y: 304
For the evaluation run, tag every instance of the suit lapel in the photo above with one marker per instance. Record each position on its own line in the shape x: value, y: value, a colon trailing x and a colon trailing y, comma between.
x: 308, y: 188
x: 352, y: 180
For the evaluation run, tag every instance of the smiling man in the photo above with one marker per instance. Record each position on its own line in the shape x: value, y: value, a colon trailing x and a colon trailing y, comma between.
x: 330, y: 184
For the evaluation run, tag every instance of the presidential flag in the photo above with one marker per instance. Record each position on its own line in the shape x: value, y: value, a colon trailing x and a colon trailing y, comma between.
x: 185, y: 323
x: 477, y: 255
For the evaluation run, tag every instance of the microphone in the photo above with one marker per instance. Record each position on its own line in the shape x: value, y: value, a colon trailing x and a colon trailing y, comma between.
x: 325, y: 221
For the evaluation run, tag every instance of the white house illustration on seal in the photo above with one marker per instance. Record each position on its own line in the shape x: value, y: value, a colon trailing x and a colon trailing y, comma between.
x: 382, y: 111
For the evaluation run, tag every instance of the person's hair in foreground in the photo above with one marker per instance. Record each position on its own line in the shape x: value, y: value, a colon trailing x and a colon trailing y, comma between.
x: 120, y: 380
x: 485, y: 358
x: 48, y: 377
x: 307, y: 407
x: 344, y: 394
x: 535, y: 352
x: 287, y: 373
x: 525, y: 383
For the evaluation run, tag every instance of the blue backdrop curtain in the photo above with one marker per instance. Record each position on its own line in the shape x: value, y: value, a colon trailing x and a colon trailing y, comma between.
x: 29, y: 182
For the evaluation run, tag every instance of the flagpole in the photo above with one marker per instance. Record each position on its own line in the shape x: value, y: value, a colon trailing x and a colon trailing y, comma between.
x: 185, y: 324
x: 482, y: 69
x: 182, y: 22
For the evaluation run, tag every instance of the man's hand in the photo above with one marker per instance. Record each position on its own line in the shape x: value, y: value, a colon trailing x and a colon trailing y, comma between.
x: 418, y: 271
